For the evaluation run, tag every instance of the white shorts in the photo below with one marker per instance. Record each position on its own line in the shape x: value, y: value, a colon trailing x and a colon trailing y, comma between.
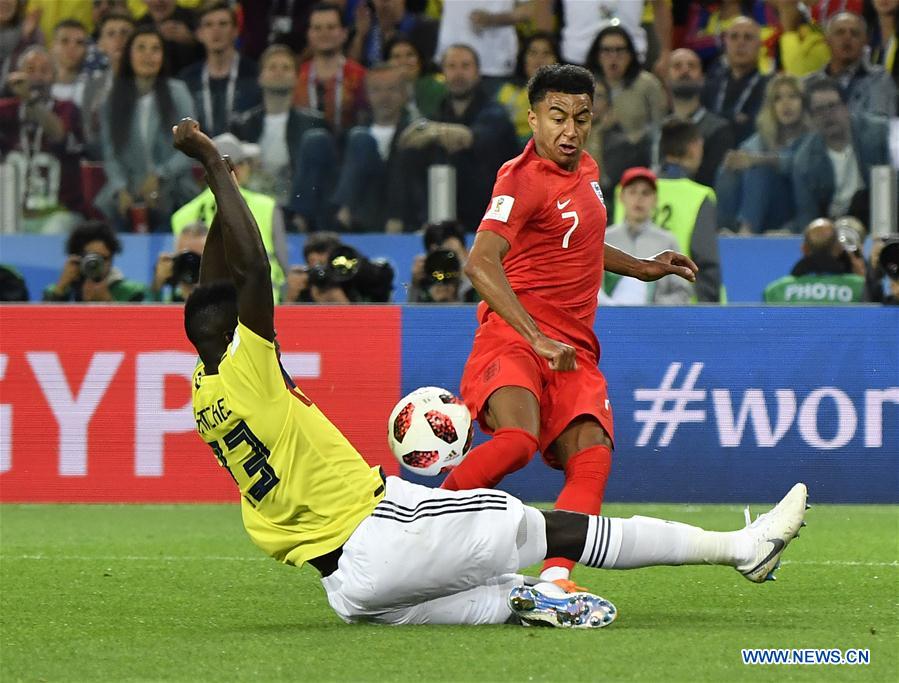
x: 434, y: 556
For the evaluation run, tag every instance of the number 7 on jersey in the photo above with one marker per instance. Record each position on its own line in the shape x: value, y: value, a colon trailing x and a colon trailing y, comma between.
x: 567, y: 238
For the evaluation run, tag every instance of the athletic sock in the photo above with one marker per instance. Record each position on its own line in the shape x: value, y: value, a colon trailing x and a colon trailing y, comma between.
x: 586, y: 473
x: 485, y: 466
x: 614, y: 543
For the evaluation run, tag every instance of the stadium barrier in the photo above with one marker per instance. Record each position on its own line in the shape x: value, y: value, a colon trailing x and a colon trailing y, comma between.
x: 710, y: 404
x: 748, y: 264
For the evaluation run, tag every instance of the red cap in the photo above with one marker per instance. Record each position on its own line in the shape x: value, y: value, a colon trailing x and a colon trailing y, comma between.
x: 638, y: 173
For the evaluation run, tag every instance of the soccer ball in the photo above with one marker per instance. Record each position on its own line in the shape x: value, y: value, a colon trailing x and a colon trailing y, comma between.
x: 430, y: 431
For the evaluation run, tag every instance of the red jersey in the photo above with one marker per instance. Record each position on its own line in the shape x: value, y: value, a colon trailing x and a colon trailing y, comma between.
x: 555, y: 222
x: 340, y: 99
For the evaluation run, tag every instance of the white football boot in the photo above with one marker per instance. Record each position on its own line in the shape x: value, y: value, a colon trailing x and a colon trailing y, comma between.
x: 772, y: 533
x: 545, y: 604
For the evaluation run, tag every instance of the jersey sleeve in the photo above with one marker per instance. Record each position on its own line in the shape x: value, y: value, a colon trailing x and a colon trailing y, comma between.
x: 253, y: 368
x: 516, y: 198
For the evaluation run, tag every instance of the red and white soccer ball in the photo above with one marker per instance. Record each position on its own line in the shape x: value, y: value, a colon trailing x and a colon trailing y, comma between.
x: 430, y: 431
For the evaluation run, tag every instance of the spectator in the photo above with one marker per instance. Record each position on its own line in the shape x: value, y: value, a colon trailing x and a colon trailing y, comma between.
x: 289, y: 157
x: 611, y: 148
x: 382, y: 21
x: 638, y: 99
x: 176, y: 274
x: 445, y: 235
x: 867, y: 89
x: 706, y: 23
x: 583, y: 21
x: 735, y: 89
x: 639, y: 236
x: 225, y: 83
x: 832, y: 165
x: 275, y: 22
x: 176, y: 25
x: 40, y: 138
x: 16, y: 34
x: 685, y: 82
x: 329, y: 82
x: 96, y: 60
x: 265, y: 210
x: 100, y: 9
x: 536, y: 50
x: 488, y: 27
x: 113, y: 32
x: 145, y: 174
x: 69, y: 50
x: 371, y: 192
x: 824, y: 274
x: 801, y: 47
x: 470, y: 132
x: 755, y: 187
x: 46, y: 14
x: 883, y: 28
x: 89, y: 273
x: 427, y: 89
x: 687, y: 208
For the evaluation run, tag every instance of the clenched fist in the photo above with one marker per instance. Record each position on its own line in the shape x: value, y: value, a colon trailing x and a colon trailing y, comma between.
x: 193, y: 142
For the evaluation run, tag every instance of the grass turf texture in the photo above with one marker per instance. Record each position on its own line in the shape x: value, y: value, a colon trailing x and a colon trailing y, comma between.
x: 108, y: 593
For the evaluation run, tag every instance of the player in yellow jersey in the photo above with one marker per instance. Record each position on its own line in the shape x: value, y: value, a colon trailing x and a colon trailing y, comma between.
x: 390, y: 551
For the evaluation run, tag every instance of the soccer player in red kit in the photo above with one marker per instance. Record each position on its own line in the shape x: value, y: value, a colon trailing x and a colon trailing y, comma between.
x: 532, y: 378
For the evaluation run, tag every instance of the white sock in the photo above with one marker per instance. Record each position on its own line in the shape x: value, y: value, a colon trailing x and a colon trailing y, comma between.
x: 614, y: 543
x: 554, y: 573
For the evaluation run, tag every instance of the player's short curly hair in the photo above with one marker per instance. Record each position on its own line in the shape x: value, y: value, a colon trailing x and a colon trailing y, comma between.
x: 91, y: 231
x: 565, y: 78
x: 210, y: 311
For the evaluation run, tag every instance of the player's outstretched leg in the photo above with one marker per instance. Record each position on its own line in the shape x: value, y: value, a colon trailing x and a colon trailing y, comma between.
x: 613, y: 543
x: 546, y: 604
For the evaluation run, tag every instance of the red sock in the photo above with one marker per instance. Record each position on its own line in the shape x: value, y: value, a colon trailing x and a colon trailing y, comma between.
x: 484, y: 467
x: 586, y: 473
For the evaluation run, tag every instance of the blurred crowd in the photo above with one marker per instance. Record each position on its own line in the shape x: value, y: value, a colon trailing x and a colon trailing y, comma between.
x: 747, y: 116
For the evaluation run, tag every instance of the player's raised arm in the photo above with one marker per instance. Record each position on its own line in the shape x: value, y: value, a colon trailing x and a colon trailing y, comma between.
x: 244, y: 251
x: 649, y: 269
x: 485, y: 270
x: 214, y: 264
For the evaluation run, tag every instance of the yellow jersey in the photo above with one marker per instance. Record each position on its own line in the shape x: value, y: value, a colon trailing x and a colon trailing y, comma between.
x: 304, y: 488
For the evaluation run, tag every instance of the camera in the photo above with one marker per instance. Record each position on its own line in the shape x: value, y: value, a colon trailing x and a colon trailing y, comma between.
x: 185, y: 269
x: 362, y: 279
x: 93, y: 267
x: 889, y: 258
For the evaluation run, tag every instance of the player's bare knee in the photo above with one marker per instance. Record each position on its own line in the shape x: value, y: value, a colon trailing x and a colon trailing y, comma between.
x: 584, y: 432
x: 513, y: 408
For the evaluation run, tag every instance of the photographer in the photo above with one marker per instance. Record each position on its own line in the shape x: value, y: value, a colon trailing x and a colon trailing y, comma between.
x: 88, y: 273
x: 177, y: 274
x: 449, y: 235
x: 826, y: 274
x: 442, y: 278
x: 885, y: 262
x: 345, y: 277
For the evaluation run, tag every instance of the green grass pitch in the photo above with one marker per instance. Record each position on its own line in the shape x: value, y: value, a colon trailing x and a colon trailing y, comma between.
x: 114, y: 593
